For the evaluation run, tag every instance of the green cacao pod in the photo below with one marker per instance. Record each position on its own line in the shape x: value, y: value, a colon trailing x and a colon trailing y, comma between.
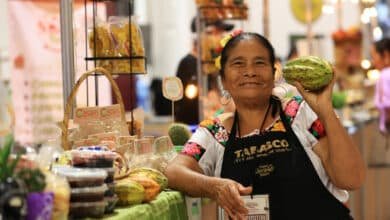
x: 151, y: 173
x: 129, y: 192
x: 312, y: 72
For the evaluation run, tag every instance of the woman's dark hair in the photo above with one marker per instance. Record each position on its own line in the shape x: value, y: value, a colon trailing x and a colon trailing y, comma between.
x: 246, y: 36
x: 382, y: 46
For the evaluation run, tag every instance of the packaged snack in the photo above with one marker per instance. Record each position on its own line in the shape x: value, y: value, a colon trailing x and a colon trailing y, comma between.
x: 93, y: 157
x: 88, y: 194
x: 87, y: 209
x: 120, y: 30
x: 82, y: 177
x: 104, y: 45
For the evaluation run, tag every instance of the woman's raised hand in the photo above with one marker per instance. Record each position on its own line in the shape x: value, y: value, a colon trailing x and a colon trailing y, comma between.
x: 228, y: 194
x: 320, y: 101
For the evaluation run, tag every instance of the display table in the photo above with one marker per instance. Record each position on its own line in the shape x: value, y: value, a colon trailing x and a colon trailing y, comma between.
x: 168, y: 205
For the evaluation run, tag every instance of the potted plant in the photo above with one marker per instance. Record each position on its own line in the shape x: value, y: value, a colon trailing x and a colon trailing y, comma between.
x: 12, y: 191
x: 39, y: 203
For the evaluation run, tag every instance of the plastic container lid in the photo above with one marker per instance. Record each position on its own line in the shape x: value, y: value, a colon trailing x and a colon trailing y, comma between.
x: 82, y: 177
x: 93, y: 152
x: 72, y: 173
x: 87, y: 204
x: 96, y: 157
x: 88, y: 194
x: 97, y: 189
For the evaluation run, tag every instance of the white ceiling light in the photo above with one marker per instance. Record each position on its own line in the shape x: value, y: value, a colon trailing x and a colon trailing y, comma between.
x: 365, y: 64
x: 372, y: 11
x: 377, y: 33
x: 373, y: 75
x: 365, y: 17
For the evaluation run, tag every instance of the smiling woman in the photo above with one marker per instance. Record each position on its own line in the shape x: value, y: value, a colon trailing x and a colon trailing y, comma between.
x: 247, y: 70
x: 276, y: 149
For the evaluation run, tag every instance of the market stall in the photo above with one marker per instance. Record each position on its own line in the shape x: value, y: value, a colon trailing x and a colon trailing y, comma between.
x: 108, y: 166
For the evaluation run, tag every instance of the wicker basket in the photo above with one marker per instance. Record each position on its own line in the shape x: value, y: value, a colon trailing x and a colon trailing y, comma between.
x: 71, y: 99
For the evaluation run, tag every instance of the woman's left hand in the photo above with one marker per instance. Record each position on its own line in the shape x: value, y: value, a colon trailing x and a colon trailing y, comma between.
x: 320, y: 101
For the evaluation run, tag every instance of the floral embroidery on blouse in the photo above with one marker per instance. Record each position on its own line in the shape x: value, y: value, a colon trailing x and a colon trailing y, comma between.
x: 317, y: 129
x: 292, y: 107
x: 291, y: 110
x: 193, y: 149
x: 219, y: 132
x: 215, y: 127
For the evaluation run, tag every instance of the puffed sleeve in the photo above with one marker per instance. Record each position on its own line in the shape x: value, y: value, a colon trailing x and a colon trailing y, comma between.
x: 204, y: 147
x: 302, y: 116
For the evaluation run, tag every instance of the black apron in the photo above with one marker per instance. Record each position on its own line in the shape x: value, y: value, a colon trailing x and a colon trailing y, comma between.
x: 275, y: 163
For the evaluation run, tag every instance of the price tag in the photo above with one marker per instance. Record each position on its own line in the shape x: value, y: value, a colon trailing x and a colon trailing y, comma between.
x: 172, y: 88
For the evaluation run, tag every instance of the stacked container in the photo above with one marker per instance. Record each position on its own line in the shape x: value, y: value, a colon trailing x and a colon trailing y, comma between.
x: 87, y: 191
x: 91, y: 180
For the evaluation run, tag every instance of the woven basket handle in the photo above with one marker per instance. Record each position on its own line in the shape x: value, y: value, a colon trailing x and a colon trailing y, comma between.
x: 71, y: 97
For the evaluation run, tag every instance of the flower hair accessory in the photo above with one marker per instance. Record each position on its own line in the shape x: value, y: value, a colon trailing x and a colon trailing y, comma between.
x: 223, y: 43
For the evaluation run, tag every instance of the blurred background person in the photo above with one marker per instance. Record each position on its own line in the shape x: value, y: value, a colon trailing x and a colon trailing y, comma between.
x: 186, y: 109
x: 380, y: 53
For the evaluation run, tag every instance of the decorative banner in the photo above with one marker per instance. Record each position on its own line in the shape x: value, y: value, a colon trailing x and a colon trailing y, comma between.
x: 35, y: 58
x: 299, y: 10
x: 172, y: 88
x: 36, y: 81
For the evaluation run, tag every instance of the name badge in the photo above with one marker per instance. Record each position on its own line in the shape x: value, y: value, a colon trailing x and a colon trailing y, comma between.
x: 258, y: 207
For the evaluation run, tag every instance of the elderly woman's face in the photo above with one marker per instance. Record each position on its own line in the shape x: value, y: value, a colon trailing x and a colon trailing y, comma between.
x: 248, y: 71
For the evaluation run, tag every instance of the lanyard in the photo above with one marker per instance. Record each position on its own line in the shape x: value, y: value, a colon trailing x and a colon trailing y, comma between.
x: 262, y: 123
